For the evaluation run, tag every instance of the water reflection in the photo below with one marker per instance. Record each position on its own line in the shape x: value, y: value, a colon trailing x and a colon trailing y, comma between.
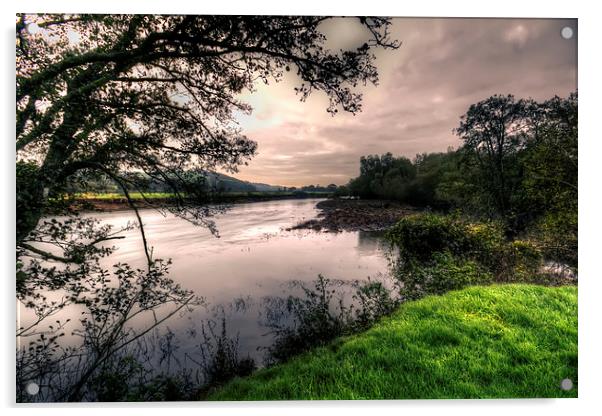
x: 254, y: 258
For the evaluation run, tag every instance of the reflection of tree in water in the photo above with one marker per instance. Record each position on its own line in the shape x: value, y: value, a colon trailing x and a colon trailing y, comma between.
x: 370, y: 242
x: 114, y: 362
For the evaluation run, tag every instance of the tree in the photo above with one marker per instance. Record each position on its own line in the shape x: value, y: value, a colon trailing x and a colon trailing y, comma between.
x: 437, y: 180
x: 136, y: 99
x: 494, y: 131
x: 383, y: 176
x: 551, y: 157
x: 157, y: 94
x: 551, y: 179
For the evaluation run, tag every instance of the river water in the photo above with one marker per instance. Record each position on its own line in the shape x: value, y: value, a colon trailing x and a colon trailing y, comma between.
x: 253, y: 257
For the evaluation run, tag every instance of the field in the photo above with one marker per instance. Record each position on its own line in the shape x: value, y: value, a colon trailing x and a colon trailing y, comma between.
x: 116, y: 197
x: 113, y: 196
x: 501, y: 341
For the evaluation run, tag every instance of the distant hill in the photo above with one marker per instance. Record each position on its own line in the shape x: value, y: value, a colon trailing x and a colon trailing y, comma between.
x: 225, y: 183
x: 214, y: 181
x: 263, y: 187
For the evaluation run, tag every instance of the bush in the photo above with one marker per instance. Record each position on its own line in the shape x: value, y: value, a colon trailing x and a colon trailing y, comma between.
x: 374, y: 300
x: 556, y: 234
x: 127, y: 379
x: 300, y: 323
x: 422, y: 235
x: 444, y: 273
x: 221, y: 361
x: 439, y: 253
x: 519, y: 261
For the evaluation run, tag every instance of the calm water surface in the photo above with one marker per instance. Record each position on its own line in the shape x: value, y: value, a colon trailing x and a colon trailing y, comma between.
x: 254, y: 256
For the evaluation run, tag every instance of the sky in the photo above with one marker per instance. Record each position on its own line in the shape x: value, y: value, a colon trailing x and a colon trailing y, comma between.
x: 441, y: 67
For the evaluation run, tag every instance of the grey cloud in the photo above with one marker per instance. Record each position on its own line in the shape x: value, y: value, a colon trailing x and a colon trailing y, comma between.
x: 442, y: 67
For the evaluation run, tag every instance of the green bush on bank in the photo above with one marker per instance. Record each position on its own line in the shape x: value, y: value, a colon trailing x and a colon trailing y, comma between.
x: 419, y: 236
x: 444, y: 273
x: 518, y: 261
x: 445, y: 252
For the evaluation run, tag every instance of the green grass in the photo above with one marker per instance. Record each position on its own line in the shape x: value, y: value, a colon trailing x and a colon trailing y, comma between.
x: 502, y: 341
x: 117, y: 196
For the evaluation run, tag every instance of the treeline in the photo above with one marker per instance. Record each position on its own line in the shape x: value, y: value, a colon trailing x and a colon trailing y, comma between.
x: 332, y: 188
x: 517, y: 164
x: 417, y: 182
x: 88, y: 181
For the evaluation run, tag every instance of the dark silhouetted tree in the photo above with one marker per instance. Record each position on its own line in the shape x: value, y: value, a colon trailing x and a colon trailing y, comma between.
x: 494, y: 131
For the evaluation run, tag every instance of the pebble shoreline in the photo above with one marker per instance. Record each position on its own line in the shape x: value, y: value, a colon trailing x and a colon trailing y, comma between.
x: 356, y: 215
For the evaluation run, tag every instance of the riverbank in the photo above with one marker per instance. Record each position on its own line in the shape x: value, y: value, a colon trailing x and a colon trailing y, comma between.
x: 500, y: 341
x: 356, y: 215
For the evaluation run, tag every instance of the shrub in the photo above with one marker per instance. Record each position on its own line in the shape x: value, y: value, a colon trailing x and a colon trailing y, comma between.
x: 422, y: 235
x: 444, y: 272
x: 300, y: 323
x: 221, y: 361
x: 556, y: 234
x: 419, y: 236
x: 319, y: 315
x: 518, y: 261
x: 439, y: 253
x: 373, y: 301
x: 483, y: 240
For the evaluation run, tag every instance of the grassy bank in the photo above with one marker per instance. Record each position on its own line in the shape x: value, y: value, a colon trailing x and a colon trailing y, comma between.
x: 502, y: 341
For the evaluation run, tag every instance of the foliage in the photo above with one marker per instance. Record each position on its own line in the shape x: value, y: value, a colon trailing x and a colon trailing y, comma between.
x: 495, y: 130
x: 140, y: 103
x: 508, y: 341
x: 126, y: 379
x: 373, y: 301
x: 517, y: 166
x: 419, y: 236
x: 300, y: 323
x: 444, y: 252
x: 27, y: 197
x: 551, y: 181
x: 342, y: 191
x: 556, y: 235
x: 524, y: 156
x: 431, y: 179
x: 443, y: 273
x: 221, y: 361
x: 382, y: 176
x: 313, y: 322
x: 517, y: 261
x: 109, y: 303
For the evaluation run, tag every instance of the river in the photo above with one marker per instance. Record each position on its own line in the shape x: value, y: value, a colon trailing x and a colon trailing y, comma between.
x: 253, y: 257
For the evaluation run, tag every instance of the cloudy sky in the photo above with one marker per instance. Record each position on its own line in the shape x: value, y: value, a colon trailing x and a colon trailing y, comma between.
x: 442, y: 66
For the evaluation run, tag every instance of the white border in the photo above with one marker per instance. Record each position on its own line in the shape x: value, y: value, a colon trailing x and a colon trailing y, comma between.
x: 589, y: 216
